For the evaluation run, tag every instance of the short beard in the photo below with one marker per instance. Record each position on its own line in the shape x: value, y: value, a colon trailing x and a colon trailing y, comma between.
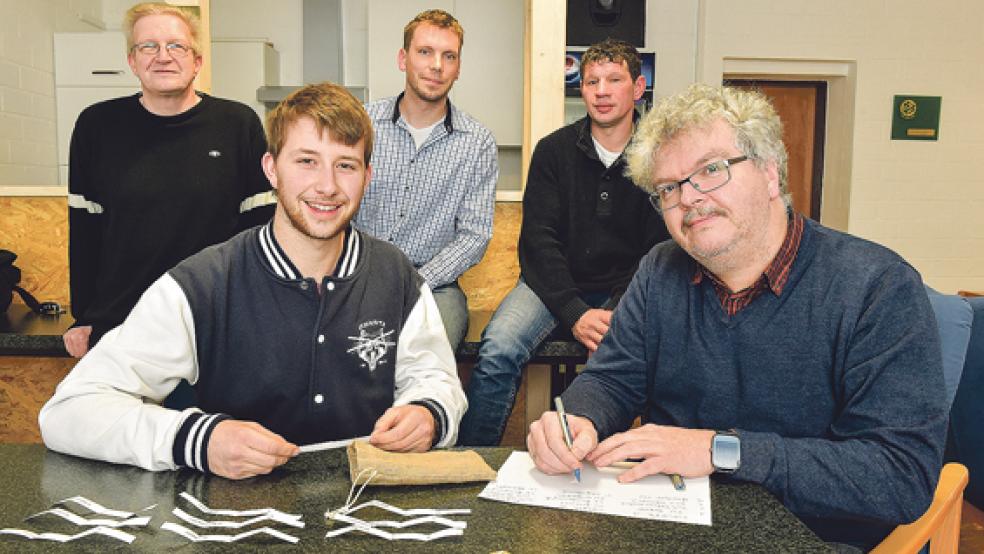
x: 298, y: 222
x: 707, y: 258
x: 429, y: 97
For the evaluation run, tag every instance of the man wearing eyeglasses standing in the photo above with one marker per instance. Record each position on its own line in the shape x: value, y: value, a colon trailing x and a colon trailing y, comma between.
x: 585, y: 227
x: 157, y: 176
x: 760, y: 345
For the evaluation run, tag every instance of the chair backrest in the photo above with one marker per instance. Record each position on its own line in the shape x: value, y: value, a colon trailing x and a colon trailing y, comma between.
x: 940, y: 525
x: 967, y: 413
x: 954, y: 318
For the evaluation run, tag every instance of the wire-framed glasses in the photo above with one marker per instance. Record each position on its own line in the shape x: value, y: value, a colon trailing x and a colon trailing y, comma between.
x: 151, y: 48
x: 666, y: 196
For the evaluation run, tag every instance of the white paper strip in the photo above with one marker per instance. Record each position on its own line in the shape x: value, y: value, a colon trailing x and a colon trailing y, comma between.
x: 404, y: 512
x: 195, y: 537
x: 94, y: 507
x: 81, y: 521
x: 454, y: 524
x: 58, y: 537
x: 317, y: 447
x: 281, y: 516
x: 209, y: 524
x: 395, y: 536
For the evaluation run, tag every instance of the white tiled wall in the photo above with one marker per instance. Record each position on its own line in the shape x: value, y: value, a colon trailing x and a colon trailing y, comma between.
x: 923, y: 199
x: 27, y: 91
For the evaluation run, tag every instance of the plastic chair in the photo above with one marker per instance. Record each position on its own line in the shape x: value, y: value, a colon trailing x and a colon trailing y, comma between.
x: 940, y: 525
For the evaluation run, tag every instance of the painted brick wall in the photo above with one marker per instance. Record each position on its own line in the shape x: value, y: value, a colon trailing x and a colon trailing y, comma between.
x: 27, y: 92
x: 925, y: 200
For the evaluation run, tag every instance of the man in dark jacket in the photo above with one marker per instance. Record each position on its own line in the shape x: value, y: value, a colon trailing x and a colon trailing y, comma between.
x: 585, y: 227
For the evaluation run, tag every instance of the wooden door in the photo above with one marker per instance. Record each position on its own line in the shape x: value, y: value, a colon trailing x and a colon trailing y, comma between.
x: 802, y: 108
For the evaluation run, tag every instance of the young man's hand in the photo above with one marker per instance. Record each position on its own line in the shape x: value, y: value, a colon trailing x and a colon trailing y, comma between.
x: 77, y: 340
x: 408, y: 428
x: 591, y: 328
x: 241, y: 449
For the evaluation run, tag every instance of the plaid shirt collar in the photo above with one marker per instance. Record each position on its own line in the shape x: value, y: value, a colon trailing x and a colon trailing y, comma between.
x: 448, y: 117
x: 774, y: 277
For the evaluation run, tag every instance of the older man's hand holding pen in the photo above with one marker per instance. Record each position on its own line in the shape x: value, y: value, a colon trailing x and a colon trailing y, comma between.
x: 549, y: 450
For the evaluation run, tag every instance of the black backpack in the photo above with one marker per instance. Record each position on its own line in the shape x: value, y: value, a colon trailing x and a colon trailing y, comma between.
x: 9, y: 277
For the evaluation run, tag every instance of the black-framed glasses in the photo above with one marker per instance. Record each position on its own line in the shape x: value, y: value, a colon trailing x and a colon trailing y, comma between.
x: 666, y: 196
x: 151, y: 48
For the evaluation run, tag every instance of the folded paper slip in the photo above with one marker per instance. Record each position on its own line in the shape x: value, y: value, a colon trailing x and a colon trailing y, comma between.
x: 428, y: 468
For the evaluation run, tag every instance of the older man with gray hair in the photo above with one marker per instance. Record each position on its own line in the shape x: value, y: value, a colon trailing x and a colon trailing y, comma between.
x: 759, y: 344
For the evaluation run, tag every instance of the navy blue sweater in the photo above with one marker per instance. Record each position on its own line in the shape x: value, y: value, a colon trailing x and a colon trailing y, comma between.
x: 835, y: 386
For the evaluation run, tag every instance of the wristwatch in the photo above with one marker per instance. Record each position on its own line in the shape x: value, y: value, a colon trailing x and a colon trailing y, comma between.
x: 726, y: 451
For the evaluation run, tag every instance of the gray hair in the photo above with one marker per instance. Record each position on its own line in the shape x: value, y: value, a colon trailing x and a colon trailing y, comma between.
x: 758, y: 130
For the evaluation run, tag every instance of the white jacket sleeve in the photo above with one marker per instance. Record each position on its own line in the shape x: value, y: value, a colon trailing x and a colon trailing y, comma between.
x: 107, y: 408
x: 425, y: 366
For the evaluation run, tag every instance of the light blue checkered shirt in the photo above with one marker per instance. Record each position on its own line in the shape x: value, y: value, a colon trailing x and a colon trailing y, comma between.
x: 435, y: 204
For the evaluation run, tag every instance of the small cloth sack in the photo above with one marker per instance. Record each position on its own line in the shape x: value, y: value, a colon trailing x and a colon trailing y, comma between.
x: 427, y: 468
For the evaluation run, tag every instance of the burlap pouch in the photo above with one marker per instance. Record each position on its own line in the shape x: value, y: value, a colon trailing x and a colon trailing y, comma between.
x: 427, y: 468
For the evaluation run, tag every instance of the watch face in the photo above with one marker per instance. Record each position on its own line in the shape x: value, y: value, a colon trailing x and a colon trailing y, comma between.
x: 726, y: 452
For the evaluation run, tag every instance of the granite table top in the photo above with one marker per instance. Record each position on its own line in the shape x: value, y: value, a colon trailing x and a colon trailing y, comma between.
x: 746, y: 517
x: 24, y: 333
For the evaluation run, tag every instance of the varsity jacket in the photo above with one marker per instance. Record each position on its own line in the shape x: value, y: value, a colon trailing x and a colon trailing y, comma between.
x: 259, y: 343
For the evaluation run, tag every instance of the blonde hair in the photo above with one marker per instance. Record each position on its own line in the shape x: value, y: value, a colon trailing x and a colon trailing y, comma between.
x: 757, y: 128
x: 144, y: 9
x: 437, y: 18
x: 333, y: 109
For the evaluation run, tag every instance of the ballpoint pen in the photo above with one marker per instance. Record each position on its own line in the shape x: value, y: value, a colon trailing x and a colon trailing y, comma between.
x: 675, y: 478
x: 567, y: 431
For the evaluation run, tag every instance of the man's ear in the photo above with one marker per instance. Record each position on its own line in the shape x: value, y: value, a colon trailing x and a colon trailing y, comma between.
x: 638, y: 87
x: 401, y: 60
x: 199, y: 61
x: 269, y: 169
x: 772, y: 174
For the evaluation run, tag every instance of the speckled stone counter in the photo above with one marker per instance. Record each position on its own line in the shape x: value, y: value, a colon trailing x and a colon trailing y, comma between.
x: 746, y: 518
x: 24, y: 333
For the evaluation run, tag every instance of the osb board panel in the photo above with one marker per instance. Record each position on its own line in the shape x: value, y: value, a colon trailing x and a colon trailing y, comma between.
x: 36, y: 229
x: 25, y: 385
x: 487, y: 283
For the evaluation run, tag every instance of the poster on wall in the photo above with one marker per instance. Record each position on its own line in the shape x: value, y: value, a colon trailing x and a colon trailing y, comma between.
x: 916, y: 117
x: 572, y: 75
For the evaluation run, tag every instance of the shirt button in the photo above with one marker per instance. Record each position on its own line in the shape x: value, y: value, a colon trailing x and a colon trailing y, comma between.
x: 604, y: 195
x: 318, y: 398
x: 304, y: 285
x: 330, y: 286
x: 321, y: 339
x: 608, y: 177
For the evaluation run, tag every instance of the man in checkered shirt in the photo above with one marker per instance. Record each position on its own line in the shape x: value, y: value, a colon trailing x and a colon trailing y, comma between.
x: 433, y: 190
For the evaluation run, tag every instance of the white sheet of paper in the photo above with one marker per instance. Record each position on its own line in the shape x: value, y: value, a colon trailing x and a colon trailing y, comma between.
x: 519, y: 482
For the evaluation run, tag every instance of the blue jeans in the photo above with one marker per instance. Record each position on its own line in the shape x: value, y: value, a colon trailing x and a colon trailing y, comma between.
x: 520, y: 324
x: 453, y: 305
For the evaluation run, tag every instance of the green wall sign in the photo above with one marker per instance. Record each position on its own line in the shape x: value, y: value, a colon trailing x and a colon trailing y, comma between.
x: 916, y: 117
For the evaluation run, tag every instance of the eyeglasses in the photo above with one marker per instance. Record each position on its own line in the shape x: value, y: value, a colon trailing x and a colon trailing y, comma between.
x: 174, y: 49
x: 666, y: 196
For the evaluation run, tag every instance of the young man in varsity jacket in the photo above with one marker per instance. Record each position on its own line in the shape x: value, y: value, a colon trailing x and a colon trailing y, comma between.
x: 300, y: 331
